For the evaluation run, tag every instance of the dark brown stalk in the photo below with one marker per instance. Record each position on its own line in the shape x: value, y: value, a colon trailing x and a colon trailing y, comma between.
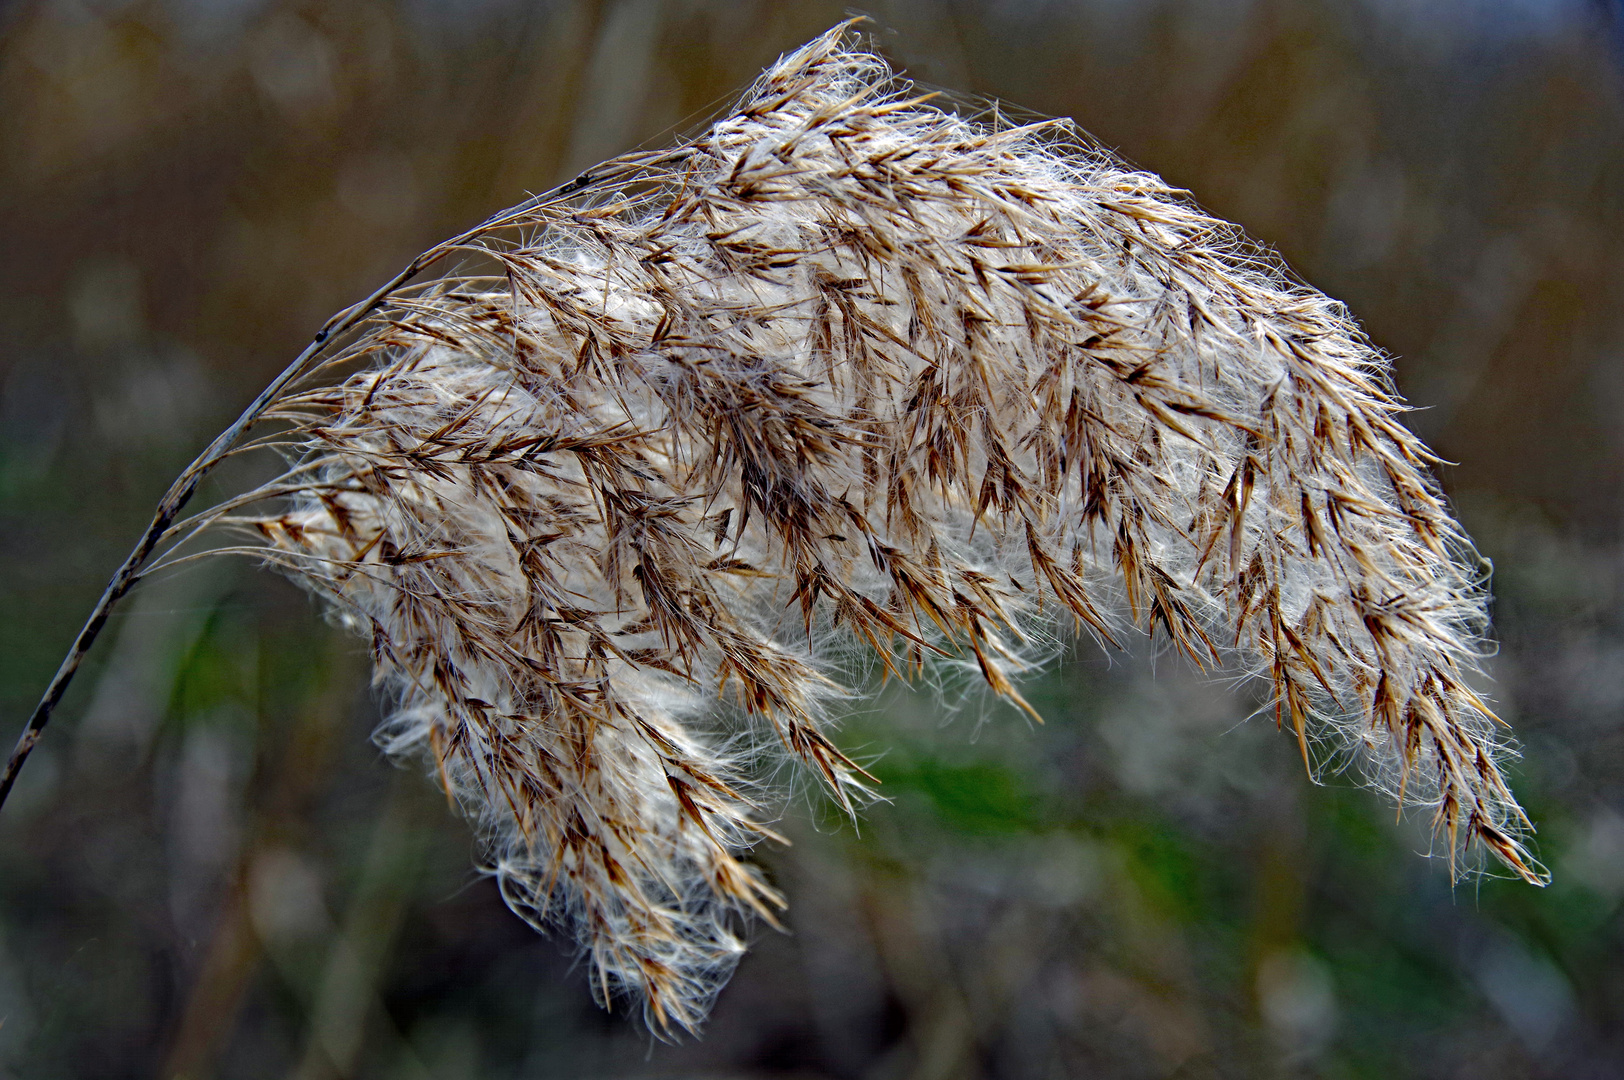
x: 180, y: 492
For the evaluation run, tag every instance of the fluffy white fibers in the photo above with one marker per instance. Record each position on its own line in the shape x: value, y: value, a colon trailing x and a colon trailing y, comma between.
x: 849, y: 361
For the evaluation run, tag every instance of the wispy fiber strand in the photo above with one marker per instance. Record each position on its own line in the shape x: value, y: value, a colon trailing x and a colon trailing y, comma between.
x: 850, y: 366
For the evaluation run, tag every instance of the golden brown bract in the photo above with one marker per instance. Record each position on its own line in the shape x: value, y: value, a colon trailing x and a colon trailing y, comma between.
x: 849, y: 362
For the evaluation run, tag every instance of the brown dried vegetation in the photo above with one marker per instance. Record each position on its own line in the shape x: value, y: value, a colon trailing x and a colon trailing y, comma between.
x: 848, y: 366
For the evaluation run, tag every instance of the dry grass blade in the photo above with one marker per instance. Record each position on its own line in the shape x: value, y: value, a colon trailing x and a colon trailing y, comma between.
x: 848, y: 361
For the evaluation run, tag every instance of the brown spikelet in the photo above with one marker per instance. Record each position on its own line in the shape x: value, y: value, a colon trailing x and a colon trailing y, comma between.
x: 850, y: 362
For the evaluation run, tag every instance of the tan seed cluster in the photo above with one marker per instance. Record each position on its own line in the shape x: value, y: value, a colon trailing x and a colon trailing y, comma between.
x: 850, y: 367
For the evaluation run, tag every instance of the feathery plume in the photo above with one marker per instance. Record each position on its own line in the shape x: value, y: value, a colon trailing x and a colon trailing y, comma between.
x: 849, y: 364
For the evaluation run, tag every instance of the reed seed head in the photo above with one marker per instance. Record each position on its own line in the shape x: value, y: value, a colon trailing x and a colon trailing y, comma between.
x: 849, y: 366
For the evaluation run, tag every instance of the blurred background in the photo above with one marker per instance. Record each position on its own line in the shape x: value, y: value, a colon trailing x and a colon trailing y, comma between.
x: 208, y: 871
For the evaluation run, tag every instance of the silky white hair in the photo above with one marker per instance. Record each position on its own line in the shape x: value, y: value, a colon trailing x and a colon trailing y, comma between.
x: 848, y: 363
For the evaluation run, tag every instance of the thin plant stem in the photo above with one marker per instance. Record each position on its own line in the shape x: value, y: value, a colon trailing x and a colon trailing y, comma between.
x: 180, y: 492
